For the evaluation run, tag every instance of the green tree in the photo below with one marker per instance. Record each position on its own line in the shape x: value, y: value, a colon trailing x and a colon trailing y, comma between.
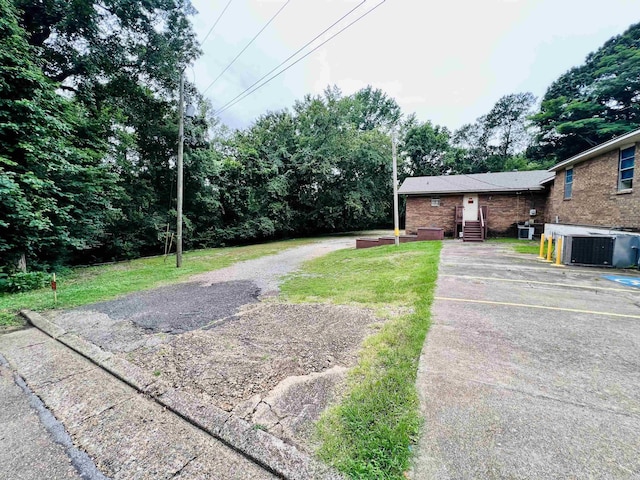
x: 96, y: 42
x: 507, y: 124
x: 314, y: 169
x: 371, y: 108
x: 427, y: 148
x: 473, y: 152
x: 56, y: 192
x: 495, y: 139
x: 591, y: 103
x: 120, y: 60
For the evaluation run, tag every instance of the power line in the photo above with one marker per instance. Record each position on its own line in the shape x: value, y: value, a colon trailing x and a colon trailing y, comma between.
x: 249, y: 91
x: 216, y: 22
x: 247, y: 46
x: 293, y: 54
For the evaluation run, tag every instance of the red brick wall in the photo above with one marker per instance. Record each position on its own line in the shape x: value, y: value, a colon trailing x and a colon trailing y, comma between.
x: 420, y: 213
x: 595, y: 199
x: 505, y: 210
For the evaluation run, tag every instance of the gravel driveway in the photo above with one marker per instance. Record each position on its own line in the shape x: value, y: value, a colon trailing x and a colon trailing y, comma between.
x: 267, y: 272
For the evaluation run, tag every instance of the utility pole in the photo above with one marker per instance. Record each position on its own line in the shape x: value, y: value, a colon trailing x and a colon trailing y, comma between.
x: 180, y: 185
x: 396, y: 220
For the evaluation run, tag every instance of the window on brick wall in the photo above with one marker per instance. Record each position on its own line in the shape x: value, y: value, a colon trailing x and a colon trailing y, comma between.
x: 435, y: 201
x: 625, y: 168
x: 568, y: 182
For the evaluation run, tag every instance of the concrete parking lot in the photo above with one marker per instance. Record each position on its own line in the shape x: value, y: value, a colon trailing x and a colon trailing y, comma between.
x: 529, y: 370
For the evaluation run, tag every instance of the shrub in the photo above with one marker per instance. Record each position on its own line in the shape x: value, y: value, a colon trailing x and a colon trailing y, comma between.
x: 22, y: 281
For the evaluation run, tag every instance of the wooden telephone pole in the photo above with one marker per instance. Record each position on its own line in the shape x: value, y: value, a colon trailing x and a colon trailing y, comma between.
x: 180, y: 174
x: 396, y: 219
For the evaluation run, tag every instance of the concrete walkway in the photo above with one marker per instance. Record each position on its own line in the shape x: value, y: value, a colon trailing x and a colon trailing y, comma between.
x: 529, y: 371
x: 127, y: 435
x: 29, y: 450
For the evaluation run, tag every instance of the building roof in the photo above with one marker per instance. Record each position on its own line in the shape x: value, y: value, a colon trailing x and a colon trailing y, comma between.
x: 622, y: 140
x: 477, y: 183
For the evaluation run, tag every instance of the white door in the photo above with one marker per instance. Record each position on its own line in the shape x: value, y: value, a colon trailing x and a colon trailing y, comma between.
x: 470, y: 210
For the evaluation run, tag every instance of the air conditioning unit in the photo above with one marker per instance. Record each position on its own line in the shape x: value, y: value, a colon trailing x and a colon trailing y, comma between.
x: 590, y: 250
x: 525, y: 232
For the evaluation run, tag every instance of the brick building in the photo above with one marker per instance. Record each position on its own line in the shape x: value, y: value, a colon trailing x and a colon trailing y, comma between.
x: 498, y: 201
x: 596, y: 187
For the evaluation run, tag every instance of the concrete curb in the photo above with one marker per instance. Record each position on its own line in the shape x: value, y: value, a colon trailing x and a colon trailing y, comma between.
x: 259, y: 446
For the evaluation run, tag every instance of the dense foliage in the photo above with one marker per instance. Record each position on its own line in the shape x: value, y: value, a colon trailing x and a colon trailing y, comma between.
x: 88, y: 137
x: 593, y: 102
x: 56, y: 189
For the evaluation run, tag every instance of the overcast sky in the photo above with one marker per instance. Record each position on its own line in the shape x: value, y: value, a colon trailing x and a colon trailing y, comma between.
x: 447, y: 61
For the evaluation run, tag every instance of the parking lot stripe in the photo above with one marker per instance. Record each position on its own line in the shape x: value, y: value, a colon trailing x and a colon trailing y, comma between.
x: 500, y: 266
x: 570, y: 285
x: 544, y: 307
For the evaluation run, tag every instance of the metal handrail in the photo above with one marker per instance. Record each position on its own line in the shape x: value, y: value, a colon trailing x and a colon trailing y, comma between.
x: 481, y: 216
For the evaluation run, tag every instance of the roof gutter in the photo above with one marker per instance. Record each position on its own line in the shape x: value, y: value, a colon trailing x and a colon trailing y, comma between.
x: 447, y: 192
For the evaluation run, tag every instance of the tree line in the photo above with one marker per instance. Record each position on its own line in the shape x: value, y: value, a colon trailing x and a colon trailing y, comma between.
x: 88, y: 137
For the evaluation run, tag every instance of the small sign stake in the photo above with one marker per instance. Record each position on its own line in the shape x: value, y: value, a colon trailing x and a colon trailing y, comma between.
x: 54, y: 287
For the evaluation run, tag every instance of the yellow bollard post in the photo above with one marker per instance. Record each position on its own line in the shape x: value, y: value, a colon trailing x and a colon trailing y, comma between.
x: 559, y: 253
x: 541, y: 256
x: 549, y: 245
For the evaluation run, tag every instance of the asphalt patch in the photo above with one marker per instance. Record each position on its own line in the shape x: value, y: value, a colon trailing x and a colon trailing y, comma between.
x: 181, y: 308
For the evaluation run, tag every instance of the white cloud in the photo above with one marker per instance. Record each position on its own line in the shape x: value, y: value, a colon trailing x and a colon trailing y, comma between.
x: 447, y: 61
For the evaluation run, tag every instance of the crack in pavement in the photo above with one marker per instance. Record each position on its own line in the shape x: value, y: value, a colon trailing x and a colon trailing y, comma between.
x: 32, y: 345
x: 498, y: 386
x: 185, y: 466
x: 62, y: 379
x: 111, y: 407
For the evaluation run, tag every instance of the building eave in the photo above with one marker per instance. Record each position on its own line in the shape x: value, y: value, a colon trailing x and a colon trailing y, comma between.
x: 627, y: 138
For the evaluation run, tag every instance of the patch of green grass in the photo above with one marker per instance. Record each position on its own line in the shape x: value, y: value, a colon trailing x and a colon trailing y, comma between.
x: 520, y: 246
x: 92, y: 284
x: 532, y: 248
x: 369, y: 433
x: 8, y: 319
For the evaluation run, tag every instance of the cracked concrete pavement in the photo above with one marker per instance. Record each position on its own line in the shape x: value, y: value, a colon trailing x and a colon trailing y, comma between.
x: 30, y: 449
x: 512, y: 391
x: 127, y: 435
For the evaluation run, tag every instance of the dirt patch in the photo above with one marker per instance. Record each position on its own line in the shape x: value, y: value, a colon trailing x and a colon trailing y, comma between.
x: 249, y: 354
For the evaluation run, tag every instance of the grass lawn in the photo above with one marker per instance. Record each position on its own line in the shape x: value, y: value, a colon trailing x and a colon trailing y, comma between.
x: 369, y: 434
x: 520, y: 246
x: 93, y: 284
